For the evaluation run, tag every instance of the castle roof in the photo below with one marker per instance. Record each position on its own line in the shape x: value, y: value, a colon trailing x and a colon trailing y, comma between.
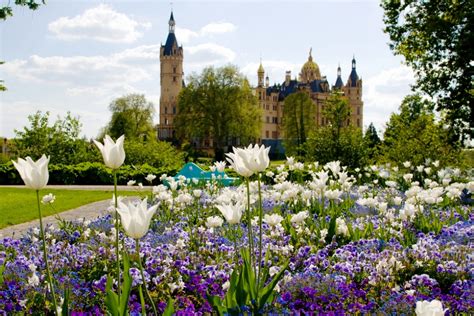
x: 170, y: 42
x: 353, y: 77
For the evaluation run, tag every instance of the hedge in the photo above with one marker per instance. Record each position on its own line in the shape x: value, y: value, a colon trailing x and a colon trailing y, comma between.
x: 88, y: 173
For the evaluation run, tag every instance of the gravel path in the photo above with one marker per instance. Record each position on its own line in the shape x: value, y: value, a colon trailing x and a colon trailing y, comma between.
x: 85, y: 212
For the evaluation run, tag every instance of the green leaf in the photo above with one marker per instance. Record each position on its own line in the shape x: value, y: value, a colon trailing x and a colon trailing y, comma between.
x: 331, y: 229
x: 267, y: 292
x: 169, y: 310
x: 111, y: 298
x: 126, y: 285
x: 65, y: 307
x: 216, y: 304
x: 2, y: 269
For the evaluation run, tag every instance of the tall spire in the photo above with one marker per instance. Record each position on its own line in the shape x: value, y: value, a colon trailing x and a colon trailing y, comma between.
x: 310, y: 58
x: 353, y: 62
x: 171, y: 23
x: 338, y: 83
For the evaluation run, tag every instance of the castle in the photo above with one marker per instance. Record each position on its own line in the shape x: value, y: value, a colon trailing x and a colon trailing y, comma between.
x: 271, y: 98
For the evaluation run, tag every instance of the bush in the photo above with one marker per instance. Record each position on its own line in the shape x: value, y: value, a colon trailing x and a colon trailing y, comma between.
x: 94, y: 173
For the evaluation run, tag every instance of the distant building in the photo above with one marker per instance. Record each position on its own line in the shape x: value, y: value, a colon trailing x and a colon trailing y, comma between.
x: 271, y: 98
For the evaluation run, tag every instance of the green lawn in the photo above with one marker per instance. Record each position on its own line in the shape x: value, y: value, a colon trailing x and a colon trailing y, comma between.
x: 18, y: 205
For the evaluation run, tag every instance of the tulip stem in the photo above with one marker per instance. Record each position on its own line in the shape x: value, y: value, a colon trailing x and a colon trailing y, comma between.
x: 45, y: 256
x: 249, y: 219
x: 117, y: 253
x: 137, y: 243
x: 260, y: 217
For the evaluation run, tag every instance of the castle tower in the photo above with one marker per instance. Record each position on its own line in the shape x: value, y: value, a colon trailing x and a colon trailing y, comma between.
x: 260, y: 73
x: 171, y: 81
x: 310, y: 70
x: 339, y: 83
x: 353, y: 91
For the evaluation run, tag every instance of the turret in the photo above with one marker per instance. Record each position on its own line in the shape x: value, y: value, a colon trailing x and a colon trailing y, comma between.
x: 261, y: 73
x: 339, y: 83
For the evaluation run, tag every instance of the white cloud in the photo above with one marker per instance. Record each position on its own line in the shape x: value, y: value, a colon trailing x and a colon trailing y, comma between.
x: 101, y: 23
x: 217, y: 28
x: 201, y: 55
x: 383, y: 94
x: 185, y: 35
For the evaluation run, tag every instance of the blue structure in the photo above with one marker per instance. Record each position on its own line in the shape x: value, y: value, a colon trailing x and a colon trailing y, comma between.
x: 193, y: 171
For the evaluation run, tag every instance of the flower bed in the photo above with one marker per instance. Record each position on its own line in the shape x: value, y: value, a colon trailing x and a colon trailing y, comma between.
x: 374, y: 242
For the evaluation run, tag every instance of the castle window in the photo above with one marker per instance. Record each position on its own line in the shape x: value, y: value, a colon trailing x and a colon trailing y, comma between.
x: 166, y: 121
x: 267, y: 134
x: 267, y: 107
x: 358, y: 110
x: 174, y: 110
x: 166, y: 110
x: 174, y: 70
x: 174, y: 79
x: 274, y: 108
x: 358, y: 122
x: 268, y: 120
x: 274, y: 135
x: 260, y: 95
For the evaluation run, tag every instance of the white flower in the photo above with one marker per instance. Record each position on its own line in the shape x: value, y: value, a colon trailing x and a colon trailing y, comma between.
x: 197, y: 193
x: 48, y: 199
x: 273, y: 270
x: 150, y: 178
x: 35, y: 175
x: 299, y: 217
x: 250, y: 160
x: 113, y: 153
x: 407, y: 164
x: 220, y: 166
x: 290, y: 161
x: 136, y: 218
x: 214, y: 221
x: 273, y: 219
x: 131, y: 183
x: 33, y: 280
x: 433, y: 308
x: 341, y: 227
x: 231, y: 212
x: 225, y: 286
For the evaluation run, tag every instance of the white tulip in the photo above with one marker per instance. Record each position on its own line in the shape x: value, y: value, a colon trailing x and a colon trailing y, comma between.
x: 113, y: 153
x: 48, y: 199
x: 35, y: 175
x: 272, y: 220
x: 433, y: 308
x: 250, y: 160
x: 136, y: 218
x: 150, y: 178
x: 220, y: 166
x: 214, y: 221
x: 231, y: 212
x: 299, y: 217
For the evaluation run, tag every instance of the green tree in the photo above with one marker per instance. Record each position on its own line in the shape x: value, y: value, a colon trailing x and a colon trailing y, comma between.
x: 154, y: 153
x: 298, y: 121
x: 7, y: 10
x: 60, y: 140
x: 436, y: 37
x: 337, y: 112
x: 2, y: 86
x: 132, y: 116
x: 372, y: 140
x: 415, y: 135
x: 218, y: 104
x: 351, y: 149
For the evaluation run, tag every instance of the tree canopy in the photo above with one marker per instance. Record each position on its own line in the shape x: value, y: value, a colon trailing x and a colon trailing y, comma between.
x: 218, y: 104
x: 436, y: 37
x: 132, y: 116
x: 298, y: 121
x: 414, y: 135
x: 7, y: 10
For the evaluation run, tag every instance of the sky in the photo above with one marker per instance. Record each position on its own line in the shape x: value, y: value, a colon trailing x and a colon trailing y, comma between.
x: 78, y: 56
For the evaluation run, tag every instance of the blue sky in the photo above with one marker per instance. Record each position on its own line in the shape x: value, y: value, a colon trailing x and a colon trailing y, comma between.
x: 78, y: 56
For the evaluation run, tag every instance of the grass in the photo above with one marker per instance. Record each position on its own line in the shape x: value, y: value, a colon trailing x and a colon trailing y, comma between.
x: 18, y: 205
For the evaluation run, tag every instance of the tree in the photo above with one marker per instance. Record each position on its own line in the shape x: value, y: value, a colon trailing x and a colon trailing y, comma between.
x: 6, y: 10
x: 436, y: 37
x: 414, y: 135
x: 132, y: 116
x: 60, y: 140
x: 337, y: 112
x: 372, y: 140
x: 298, y: 121
x: 218, y: 104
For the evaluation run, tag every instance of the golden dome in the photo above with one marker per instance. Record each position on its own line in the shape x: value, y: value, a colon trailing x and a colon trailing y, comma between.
x: 310, y: 70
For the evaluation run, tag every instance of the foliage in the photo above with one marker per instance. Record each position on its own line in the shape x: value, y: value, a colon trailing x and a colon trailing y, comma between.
x: 2, y: 87
x: 155, y: 153
x: 414, y: 135
x: 351, y: 149
x: 6, y: 10
x: 132, y: 116
x: 88, y: 173
x: 436, y: 37
x: 60, y: 141
x: 218, y: 104
x: 298, y: 121
x: 372, y: 141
